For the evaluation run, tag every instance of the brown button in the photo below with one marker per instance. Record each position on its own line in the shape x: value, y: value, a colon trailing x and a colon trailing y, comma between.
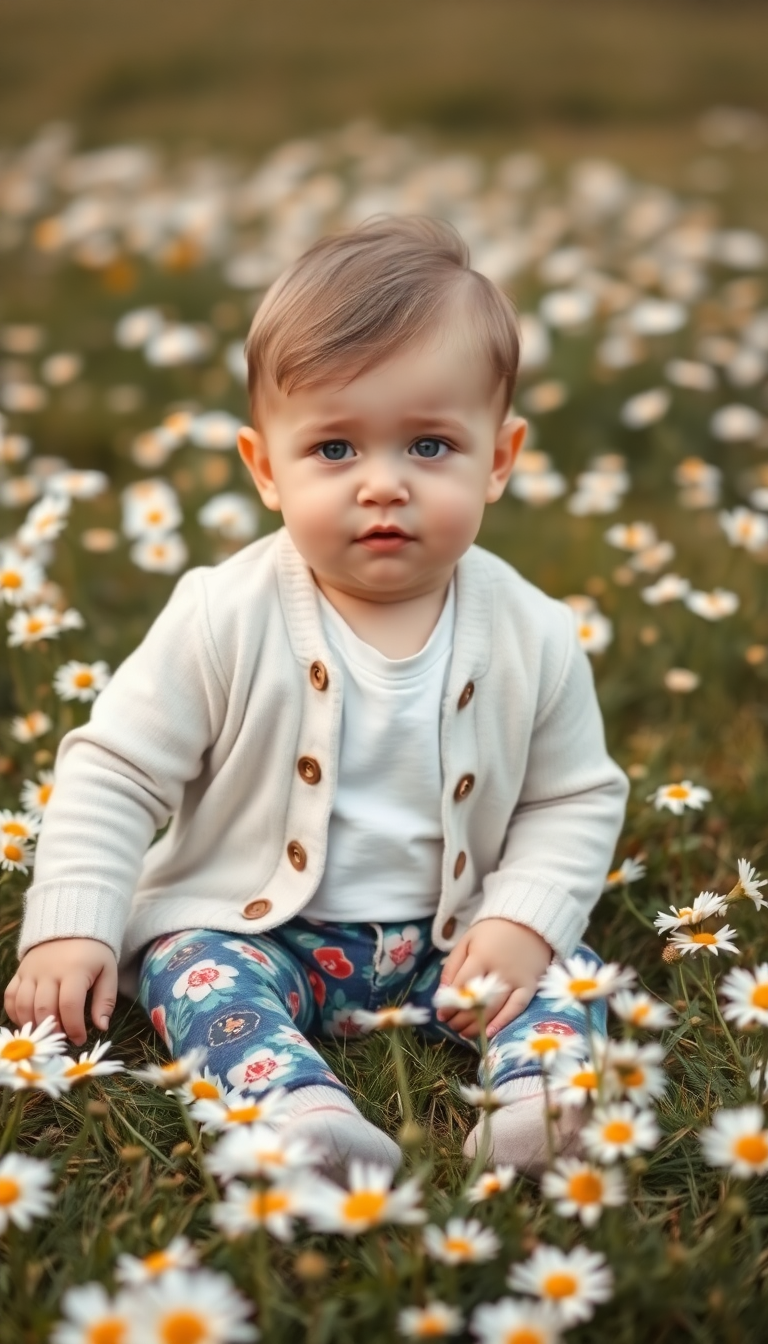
x: 464, y: 786
x: 257, y: 909
x: 297, y: 854
x: 460, y: 864
x: 318, y: 676
x: 309, y: 769
x: 466, y: 694
x: 449, y: 927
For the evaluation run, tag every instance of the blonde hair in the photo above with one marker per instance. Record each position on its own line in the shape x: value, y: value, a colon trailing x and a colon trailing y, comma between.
x: 354, y: 298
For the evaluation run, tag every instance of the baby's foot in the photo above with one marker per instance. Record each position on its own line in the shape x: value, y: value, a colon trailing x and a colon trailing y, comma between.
x: 329, y: 1119
x: 519, y: 1131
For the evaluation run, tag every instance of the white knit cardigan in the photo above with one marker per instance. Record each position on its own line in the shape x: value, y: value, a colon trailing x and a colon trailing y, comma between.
x: 211, y: 720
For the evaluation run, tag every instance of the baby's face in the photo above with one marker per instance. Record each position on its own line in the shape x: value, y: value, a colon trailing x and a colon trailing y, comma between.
x: 413, y: 443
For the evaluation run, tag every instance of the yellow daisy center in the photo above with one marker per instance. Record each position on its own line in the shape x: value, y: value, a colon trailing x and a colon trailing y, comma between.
x: 44, y: 793
x: 639, y: 1013
x: 458, y: 1246
x: 265, y: 1202
x: 201, y: 1088
x: 685, y: 910
x: 615, y: 876
x: 678, y: 791
x: 243, y: 1115
x: 584, y: 986
x: 585, y: 1188
x: 586, y: 1078
x: 706, y: 938
x: 9, y: 1191
x: 559, y: 1285
x: 492, y: 1185
x: 83, y: 678
x: 12, y: 852
x: 14, y: 828
x: 429, y: 1327
x: 109, y: 1330
x: 155, y: 516
x: 585, y: 630
x: 524, y: 1335
x: 752, y: 1148
x: 19, y: 1048
x: 157, y: 1261
x: 364, y: 1205
x: 183, y: 1327
x: 34, y: 624
x: 158, y: 551
x: 10, y: 578
x: 760, y: 996
x: 78, y: 1070
x: 543, y: 1044
x: 630, y: 1075
x: 617, y: 1131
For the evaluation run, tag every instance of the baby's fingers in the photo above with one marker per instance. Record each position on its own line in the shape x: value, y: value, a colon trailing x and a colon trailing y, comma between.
x: 72, y: 1004
x: 24, y: 1008
x: 512, y: 1008
x: 46, y: 1000
x: 9, y: 998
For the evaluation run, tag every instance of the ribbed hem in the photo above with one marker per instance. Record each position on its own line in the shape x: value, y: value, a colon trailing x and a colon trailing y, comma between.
x: 542, y: 906
x: 59, y: 910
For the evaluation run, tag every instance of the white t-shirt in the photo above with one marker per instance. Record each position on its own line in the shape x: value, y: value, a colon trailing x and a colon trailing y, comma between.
x: 385, y: 837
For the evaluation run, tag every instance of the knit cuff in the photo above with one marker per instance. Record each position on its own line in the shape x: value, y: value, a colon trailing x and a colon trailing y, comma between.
x: 60, y: 910
x: 542, y: 906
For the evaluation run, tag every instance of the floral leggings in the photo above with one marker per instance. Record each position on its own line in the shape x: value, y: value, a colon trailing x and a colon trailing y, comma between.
x: 253, y: 1001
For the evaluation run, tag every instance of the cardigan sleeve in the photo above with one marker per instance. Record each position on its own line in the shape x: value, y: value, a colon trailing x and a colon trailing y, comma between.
x: 562, y: 834
x: 120, y: 777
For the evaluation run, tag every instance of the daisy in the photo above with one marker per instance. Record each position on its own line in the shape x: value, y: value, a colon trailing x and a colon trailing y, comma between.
x: 23, y: 1193
x: 544, y: 1046
x: 244, y: 1208
x: 736, y: 423
x: 489, y: 1098
x: 491, y: 1183
x: 749, y: 885
x: 215, y: 430
x: 258, y: 1150
x: 721, y: 941
x: 594, y: 632
x: 45, y: 520
x: 91, y: 1065
x: 384, y: 1019
x: 430, y: 1322
x: 198, y: 1305
x: 26, y: 727
x: 747, y: 995
x: 737, y: 1139
x: 238, y: 1108
x: 479, y: 991
x: 29, y: 627
x: 510, y: 1321
x: 619, y: 1130
x: 80, y: 681
x: 369, y: 1201
x: 635, y: 1070
x: 681, y: 680
x: 632, y: 536
x: 745, y: 528
x: 133, y: 1269
x: 640, y: 1009
x: 20, y: 578
x: 15, y: 855
x: 712, y: 606
x: 28, y: 1046
x: 582, y: 1189
x: 575, y: 1081
x: 36, y: 794
x: 463, y: 1241
x: 160, y: 555
x: 573, y: 1282
x: 152, y: 515
x: 653, y: 559
x: 706, y: 904
x: 679, y: 796
x: 205, y: 1086
x: 174, y: 1074
x: 78, y: 484
x: 91, y: 1314
x: 233, y: 515
x: 669, y: 588
x: 629, y: 871
x: 578, y: 980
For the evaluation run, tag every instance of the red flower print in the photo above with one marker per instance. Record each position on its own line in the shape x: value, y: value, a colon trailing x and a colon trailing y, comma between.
x: 260, y: 1068
x: 206, y: 976
x: 333, y: 961
x: 401, y: 953
x: 555, y: 1029
x: 318, y: 987
x: 293, y: 1003
x: 157, y: 1018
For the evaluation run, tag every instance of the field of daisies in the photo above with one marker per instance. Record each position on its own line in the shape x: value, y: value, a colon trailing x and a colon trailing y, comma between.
x: 142, y: 1201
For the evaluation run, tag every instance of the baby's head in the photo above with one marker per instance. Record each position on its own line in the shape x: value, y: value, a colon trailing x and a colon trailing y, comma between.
x: 380, y: 373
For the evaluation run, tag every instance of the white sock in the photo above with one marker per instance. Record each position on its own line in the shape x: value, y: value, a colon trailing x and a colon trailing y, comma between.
x: 329, y: 1118
x: 519, y: 1130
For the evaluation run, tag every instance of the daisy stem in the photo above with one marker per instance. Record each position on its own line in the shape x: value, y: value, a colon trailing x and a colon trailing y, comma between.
x: 80, y: 1140
x: 483, y: 1147
x: 716, y: 1007
x: 262, y: 1275
x: 551, y: 1152
x: 763, y: 1067
x: 592, y: 1051
x: 194, y: 1139
x: 8, y: 1136
x: 402, y: 1076
x: 633, y: 910
x: 685, y: 878
x: 4, y: 1105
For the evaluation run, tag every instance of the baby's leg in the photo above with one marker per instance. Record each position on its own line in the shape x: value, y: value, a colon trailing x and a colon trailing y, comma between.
x: 248, y: 1002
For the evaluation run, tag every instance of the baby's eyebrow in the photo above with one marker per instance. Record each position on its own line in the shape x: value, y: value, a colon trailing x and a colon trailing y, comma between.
x: 435, y: 423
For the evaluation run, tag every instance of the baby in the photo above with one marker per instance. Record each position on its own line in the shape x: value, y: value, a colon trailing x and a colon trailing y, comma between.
x: 379, y: 746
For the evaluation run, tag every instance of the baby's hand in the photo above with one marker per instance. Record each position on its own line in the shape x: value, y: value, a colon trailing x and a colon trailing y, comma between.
x: 54, y: 978
x: 517, y: 954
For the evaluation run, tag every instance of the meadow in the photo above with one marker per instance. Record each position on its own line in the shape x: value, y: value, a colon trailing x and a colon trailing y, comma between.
x: 129, y: 275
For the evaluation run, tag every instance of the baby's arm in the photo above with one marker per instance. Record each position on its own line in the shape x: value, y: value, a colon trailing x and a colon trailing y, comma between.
x: 55, y: 977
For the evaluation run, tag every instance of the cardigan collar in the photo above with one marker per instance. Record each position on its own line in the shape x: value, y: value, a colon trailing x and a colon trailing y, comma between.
x: 472, y: 631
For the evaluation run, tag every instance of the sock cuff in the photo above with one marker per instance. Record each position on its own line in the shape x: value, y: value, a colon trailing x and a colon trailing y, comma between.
x: 529, y: 1085
x: 313, y: 1098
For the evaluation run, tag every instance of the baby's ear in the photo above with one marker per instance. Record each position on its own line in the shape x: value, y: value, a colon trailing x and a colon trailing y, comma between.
x: 517, y: 428
x: 253, y: 451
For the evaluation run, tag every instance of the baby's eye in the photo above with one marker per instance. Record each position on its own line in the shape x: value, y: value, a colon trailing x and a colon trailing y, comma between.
x: 430, y: 448
x: 335, y: 449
